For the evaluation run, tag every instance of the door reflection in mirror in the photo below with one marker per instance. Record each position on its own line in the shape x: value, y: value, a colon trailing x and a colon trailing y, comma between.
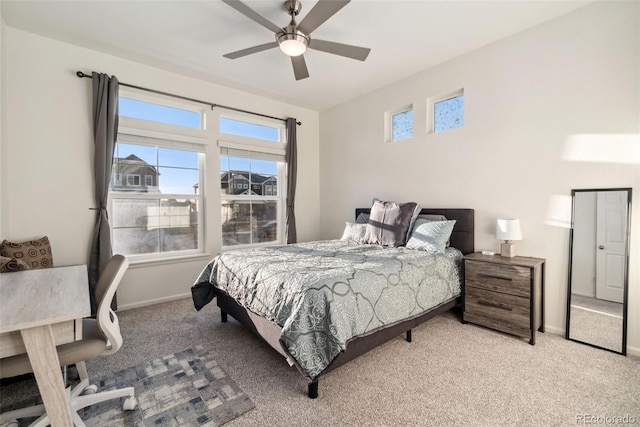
x: 598, y: 268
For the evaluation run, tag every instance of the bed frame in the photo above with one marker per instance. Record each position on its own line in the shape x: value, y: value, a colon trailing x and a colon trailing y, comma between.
x: 461, y: 238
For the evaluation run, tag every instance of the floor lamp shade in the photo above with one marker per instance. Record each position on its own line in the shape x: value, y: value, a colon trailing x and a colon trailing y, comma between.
x: 508, y: 230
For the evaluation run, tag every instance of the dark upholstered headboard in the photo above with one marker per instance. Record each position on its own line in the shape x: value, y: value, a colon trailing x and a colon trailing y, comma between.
x: 462, y: 237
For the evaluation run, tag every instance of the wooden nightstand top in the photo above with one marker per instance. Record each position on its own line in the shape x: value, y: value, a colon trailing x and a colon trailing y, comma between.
x: 523, y: 261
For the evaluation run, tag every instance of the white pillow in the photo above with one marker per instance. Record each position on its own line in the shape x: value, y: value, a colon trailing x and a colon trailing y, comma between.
x: 354, y: 232
x: 430, y: 236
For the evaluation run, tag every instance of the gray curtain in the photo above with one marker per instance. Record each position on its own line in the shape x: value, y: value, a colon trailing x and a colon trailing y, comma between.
x: 291, y: 158
x: 105, y: 127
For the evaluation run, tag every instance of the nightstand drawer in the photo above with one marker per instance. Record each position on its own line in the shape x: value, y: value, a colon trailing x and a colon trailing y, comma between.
x: 508, y: 313
x: 509, y: 279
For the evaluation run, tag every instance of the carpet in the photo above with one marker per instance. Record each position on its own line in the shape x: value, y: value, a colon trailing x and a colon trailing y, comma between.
x: 187, y: 388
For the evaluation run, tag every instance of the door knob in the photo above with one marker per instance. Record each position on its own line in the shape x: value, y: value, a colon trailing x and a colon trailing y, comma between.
x: 600, y: 247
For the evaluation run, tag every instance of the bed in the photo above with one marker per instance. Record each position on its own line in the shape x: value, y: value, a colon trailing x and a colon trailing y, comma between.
x: 322, y: 304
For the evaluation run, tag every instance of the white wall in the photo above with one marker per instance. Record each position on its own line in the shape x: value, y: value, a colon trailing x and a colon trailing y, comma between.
x: 2, y: 120
x: 49, y: 150
x: 524, y: 96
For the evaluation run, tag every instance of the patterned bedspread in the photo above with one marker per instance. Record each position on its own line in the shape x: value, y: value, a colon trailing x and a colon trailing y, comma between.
x: 325, y: 293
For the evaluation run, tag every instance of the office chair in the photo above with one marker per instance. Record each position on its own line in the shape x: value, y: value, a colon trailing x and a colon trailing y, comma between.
x: 100, y: 336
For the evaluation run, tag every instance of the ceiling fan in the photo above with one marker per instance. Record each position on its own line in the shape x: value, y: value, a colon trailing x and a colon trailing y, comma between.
x: 294, y: 39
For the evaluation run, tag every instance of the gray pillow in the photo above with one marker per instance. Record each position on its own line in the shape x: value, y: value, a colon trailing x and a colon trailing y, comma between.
x: 430, y: 236
x: 430, y: 217
x: 363, y: 218
x: 389, y: 223
x: 354, y: 232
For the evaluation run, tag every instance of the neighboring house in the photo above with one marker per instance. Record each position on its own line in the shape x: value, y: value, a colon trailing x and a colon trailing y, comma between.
x: 134, y: 174
x: 236, y: 182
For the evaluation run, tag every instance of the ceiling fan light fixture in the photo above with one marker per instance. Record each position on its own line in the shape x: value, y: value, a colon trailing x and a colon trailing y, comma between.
x: 293, y: 43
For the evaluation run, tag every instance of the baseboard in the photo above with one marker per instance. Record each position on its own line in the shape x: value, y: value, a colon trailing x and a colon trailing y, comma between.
x: 555, y: 330
x: 633, y: 351
x: 123, y: 307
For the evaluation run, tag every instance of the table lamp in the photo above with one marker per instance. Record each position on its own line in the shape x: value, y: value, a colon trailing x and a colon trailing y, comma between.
x: 508, y: 230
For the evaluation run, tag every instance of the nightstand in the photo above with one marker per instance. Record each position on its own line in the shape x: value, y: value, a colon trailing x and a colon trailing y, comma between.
x: 505, y: 294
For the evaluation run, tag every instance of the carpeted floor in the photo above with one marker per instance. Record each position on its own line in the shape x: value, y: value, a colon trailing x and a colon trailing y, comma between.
x: 450, y: 375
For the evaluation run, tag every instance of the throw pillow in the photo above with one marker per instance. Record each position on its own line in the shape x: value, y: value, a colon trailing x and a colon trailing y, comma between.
x: 430, y: 236
x: 8, y: 265
x: 35, y: 253
x: 354, y: 232
x: 389, y: 223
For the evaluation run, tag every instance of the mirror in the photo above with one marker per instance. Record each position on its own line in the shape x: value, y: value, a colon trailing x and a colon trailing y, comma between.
x: 598, y: 268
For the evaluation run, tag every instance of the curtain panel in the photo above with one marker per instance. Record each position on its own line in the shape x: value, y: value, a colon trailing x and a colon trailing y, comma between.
x: 291, y: 159
x: 105, y: 126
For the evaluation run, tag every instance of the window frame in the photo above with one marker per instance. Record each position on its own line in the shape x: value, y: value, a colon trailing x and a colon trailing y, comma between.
x: 163, y: 135
x: 136, y: 137
x: 388, y: 120
x: 259, y: 147
x: 431, y: 110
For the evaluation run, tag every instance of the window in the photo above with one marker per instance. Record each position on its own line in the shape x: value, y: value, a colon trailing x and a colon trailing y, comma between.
x: 155, y: 199
x: 159, y: 113
x: 251, y: 213
x: 447, y: 112
x: 399, y: 124
x: 251, y: 130
x: 156, y: 219
x: 133, y: 180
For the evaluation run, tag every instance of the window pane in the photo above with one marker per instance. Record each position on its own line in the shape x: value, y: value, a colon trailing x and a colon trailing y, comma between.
x: 177, y: 158
x: 241, y: 175
x: 159, y: 113
x: 154, y: 226
x: 449, y: 114
x: 137, y: 165
x: 139, y: 153
x: 252, y: 130
x: 402, y: 125
x: 178, y: 181
x: 248, y: 221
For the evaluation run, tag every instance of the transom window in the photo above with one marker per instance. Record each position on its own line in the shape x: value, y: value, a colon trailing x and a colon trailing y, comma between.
x: 150, y: 111
x: 399, y: 124
x: 446, y: 112
x: 248, y: 129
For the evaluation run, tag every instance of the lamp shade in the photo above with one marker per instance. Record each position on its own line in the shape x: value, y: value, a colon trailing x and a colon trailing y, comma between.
x: 508, y: 229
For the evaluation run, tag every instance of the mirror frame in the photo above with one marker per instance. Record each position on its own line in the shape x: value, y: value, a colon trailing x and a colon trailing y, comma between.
x: 626, y: 270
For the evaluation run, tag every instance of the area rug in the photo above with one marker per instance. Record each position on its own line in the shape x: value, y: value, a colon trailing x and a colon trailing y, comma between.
x: 187, y: 388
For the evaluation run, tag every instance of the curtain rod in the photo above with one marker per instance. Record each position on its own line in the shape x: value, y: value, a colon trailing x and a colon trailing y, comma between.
x: 213, y: 105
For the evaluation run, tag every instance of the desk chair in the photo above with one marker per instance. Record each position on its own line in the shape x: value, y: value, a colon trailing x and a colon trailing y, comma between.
x: 100, y: 336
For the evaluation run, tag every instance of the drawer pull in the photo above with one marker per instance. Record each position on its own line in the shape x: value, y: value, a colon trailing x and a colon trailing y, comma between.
x: 495, y: 305
x: 496, y: 277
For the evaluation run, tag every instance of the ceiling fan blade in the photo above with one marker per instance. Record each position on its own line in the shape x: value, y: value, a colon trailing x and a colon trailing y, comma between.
x: 349, y: 51
x: 250, y: 50
x: 321, y: 12
x: 299, y: 67
x: 252, y: 14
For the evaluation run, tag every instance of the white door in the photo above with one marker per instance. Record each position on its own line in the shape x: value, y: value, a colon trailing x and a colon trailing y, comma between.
x: 611, y: 242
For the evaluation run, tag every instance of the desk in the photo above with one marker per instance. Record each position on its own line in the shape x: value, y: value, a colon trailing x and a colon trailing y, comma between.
x: 35, y: 303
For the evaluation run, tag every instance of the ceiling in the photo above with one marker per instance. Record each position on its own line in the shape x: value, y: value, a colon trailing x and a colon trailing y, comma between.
x: 190, y: 37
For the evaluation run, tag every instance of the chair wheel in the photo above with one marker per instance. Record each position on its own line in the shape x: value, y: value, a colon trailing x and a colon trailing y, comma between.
x: 130, y: 404
x: 10, y: 423
x: 91, y: 389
